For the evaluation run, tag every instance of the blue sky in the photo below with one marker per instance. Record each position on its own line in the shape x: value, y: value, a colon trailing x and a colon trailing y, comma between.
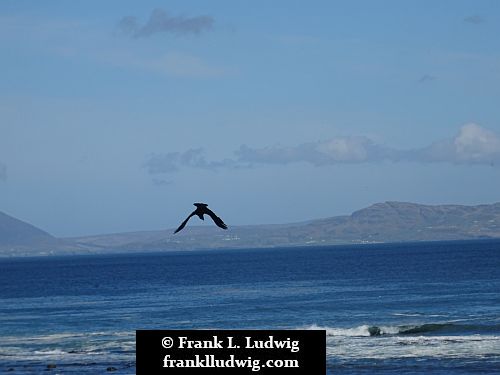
x: 118, y: 115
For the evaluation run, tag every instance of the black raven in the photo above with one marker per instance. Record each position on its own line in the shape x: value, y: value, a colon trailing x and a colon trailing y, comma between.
x: 202, y: 209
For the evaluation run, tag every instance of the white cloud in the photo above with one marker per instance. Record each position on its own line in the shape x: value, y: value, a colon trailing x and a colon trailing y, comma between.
x: 354, y: 149
x: 472, y: 145
x: 476, y: 144
x: 346, y: 149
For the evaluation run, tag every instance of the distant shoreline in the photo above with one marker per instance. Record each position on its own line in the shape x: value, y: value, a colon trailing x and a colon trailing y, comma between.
x: 388, y: 222
x: 114, y: 253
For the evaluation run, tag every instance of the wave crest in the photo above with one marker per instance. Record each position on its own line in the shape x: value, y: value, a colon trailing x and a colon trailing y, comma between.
x: 374, y: 330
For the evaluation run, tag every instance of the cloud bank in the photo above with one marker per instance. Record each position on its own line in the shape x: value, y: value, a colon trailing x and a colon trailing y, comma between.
x: 473, y: 145
x: 161, y: 22
x: 333, y: 151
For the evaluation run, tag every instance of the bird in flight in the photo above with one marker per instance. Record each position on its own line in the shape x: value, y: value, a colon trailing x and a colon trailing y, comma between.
x: 202, y: 209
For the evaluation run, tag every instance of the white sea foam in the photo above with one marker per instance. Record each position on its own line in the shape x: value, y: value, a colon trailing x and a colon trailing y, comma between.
x: 359, y: 331
x: 59, y: 337
x: 68, y: 346
x: 357, y: 343
x: 476, y: 346
x: 407, y: 314
x: 54, y: 352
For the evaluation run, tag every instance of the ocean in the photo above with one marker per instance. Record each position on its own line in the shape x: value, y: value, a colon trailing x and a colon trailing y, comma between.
x: 407, y: 308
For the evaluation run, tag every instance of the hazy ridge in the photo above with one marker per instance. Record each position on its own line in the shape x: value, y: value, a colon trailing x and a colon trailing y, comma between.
x: 380, y: 222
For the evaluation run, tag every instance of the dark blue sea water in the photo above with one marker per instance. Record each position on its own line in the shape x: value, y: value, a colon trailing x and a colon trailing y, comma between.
x: 387, y: 309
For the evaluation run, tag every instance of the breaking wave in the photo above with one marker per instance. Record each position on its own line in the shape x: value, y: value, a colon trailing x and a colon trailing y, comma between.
x: 422, y: 329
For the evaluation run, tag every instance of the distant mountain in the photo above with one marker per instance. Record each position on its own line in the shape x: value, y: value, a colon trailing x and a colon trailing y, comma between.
x: 398, y: 221
x: 14, y: 232
x: 381, y: 222
x: 16, y: 235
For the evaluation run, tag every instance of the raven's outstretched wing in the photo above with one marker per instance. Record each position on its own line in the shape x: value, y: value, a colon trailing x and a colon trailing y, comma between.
x: 217, y: 220
x: 183, y: 224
